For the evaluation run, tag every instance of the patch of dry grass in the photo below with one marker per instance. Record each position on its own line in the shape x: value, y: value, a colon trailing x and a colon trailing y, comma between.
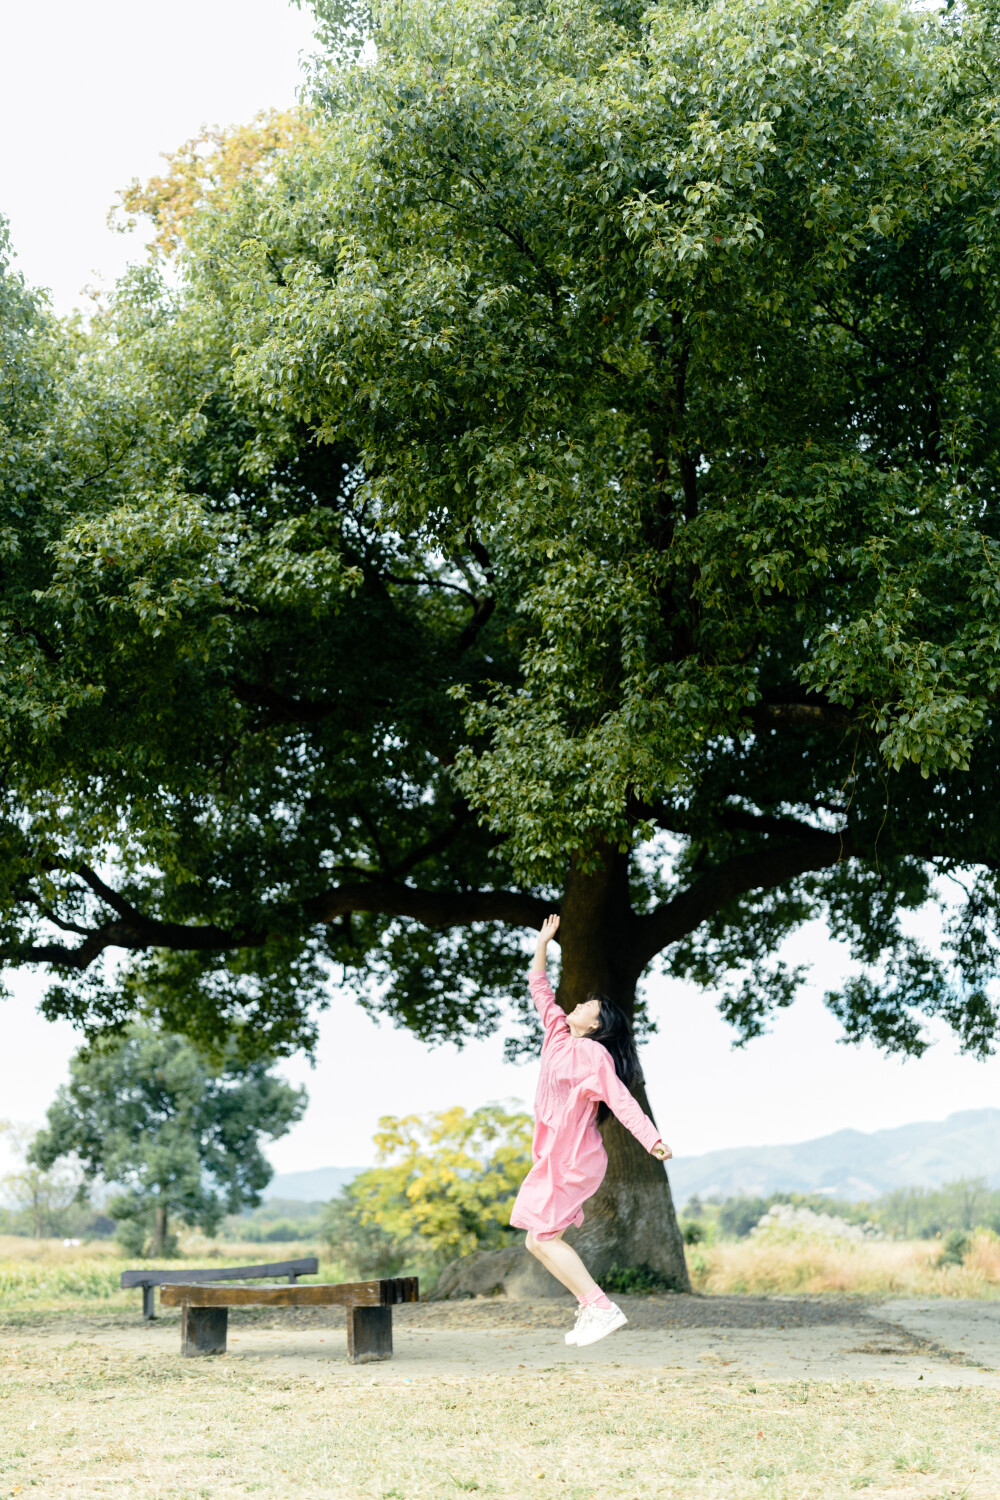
x: 78, y: 1422
x: 768, y: 1267
x: 45, y: 1276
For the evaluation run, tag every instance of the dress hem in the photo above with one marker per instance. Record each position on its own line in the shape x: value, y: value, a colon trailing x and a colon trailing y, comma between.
x: 549, y: 1231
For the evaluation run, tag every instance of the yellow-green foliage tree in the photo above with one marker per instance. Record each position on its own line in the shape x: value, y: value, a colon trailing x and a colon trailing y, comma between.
x: 447, y: 1180
x: 208, y: 170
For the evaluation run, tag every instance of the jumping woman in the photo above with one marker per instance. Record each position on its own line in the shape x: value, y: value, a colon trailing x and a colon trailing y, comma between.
x: 588, y: 1061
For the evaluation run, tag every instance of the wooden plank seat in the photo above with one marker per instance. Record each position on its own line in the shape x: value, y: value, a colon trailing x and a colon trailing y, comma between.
x: 369, y: 1304
x: 307, y: 1265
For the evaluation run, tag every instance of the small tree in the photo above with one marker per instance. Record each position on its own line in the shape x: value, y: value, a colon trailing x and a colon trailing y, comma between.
x: 179, y: 1137
x: 449, y: 1179
x: 41, y: 1197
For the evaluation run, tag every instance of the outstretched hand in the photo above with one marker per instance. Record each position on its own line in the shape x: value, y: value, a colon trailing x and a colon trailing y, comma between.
x: 662, y: 1151
x: 549, y: 928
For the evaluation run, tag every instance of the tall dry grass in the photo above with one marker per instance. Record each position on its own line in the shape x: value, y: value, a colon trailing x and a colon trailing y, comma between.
x: 46, y: 1276
x: 40, y: 1276
x: 909, y: 1268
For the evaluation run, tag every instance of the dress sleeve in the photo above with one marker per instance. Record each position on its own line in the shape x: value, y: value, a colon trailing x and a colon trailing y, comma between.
x: 552, y: 1015
x: 606, y: 1085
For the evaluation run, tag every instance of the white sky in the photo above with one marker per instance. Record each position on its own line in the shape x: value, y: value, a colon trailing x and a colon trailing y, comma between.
x: 791, y: 1085
x: 89, y: 95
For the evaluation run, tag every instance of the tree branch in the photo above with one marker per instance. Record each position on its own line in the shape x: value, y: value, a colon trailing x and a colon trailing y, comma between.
x: 762, y: 869
x: 800, y: 716
x: 737, y: 818
x: 137, y: 932
x: 743, y: 821
x: 485, y: 604
x: 436, y: 845
x: 433, y: 909
x: 483, y: 611
x: 286, y: 710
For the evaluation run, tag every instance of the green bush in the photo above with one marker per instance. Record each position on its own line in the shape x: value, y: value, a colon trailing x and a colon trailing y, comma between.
x: 906, y: 1213
x: 927, y: 1213
x: 737, y: 1216
x: 446, y: 1181
x: 277, y: 1220
x: 955, y: 1248
x: 637, y: 1280
x: 363, y: 1250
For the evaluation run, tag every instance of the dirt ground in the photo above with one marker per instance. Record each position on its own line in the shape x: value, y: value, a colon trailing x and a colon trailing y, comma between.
x: 902, y: 1342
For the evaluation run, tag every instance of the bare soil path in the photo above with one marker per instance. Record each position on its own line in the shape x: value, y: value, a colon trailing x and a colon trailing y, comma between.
x: 901, y: 1342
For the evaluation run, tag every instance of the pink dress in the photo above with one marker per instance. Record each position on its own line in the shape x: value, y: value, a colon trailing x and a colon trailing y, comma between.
x: 569, y: 1156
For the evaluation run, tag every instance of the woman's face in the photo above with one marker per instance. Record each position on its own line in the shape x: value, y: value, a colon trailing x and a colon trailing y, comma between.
x: 585, y: 1018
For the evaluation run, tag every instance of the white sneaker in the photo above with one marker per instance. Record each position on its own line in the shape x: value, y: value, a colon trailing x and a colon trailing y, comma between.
x: 580, y: 1315
x: 598, y: 1323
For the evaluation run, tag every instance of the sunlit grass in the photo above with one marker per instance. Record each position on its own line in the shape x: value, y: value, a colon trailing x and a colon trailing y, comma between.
x: 81, y: 1420
x: 904, y: 1268
x: 44, y: 1276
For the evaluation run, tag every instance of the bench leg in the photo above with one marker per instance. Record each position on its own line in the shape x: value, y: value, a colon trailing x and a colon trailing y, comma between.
x: 149, y: 1302
x: 369, y: 1334
x: 203, y: 1330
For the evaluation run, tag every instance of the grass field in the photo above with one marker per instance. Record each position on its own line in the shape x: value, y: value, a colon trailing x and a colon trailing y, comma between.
x: 75, y: 1423
x: 81, y: 1418
x: 36, y: 1278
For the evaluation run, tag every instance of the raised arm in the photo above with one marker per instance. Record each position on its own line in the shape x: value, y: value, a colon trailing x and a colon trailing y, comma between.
x: 542, y: 994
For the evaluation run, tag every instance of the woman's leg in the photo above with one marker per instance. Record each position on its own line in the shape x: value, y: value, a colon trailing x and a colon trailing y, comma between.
x: 564, y: 1264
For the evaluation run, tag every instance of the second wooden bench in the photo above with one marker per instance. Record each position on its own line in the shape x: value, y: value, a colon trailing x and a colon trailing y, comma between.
x: 369, y: 1304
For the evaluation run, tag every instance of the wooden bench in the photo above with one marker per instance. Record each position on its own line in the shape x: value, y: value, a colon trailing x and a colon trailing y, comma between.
x: 150, y: 1280
x: 369, y: 1304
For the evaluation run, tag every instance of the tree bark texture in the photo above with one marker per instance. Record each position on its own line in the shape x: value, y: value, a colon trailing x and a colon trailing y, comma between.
x: 630, y: 1221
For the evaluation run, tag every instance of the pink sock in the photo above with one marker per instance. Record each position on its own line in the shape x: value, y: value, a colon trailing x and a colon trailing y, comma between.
x: 596, y: 1298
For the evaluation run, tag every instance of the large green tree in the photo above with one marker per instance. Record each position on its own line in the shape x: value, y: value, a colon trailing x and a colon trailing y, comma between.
x: 177, y: 1138
x: 599, y: 510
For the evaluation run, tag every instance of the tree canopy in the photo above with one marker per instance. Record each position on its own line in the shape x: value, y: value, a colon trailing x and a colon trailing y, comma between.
x: 177, y: 1138
x: 572, y: 456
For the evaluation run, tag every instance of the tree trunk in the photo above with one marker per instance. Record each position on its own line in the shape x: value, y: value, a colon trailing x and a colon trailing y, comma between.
x: 159, y: 1244
x: 630, y: 1222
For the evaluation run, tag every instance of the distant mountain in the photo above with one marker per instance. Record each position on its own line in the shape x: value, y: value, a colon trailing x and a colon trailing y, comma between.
x: 851, y: 1164
x: 848, y: 1164
x: 311, y: 1187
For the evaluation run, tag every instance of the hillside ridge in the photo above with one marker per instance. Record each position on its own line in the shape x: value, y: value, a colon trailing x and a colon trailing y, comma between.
x: 851, y: 1164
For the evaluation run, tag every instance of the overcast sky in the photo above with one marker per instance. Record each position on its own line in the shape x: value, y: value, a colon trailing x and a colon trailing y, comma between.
x: 89, y: 95
x: 796, y: 1083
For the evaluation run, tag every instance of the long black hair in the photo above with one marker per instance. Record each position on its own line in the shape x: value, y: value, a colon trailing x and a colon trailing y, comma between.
x: 614, y: 1032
